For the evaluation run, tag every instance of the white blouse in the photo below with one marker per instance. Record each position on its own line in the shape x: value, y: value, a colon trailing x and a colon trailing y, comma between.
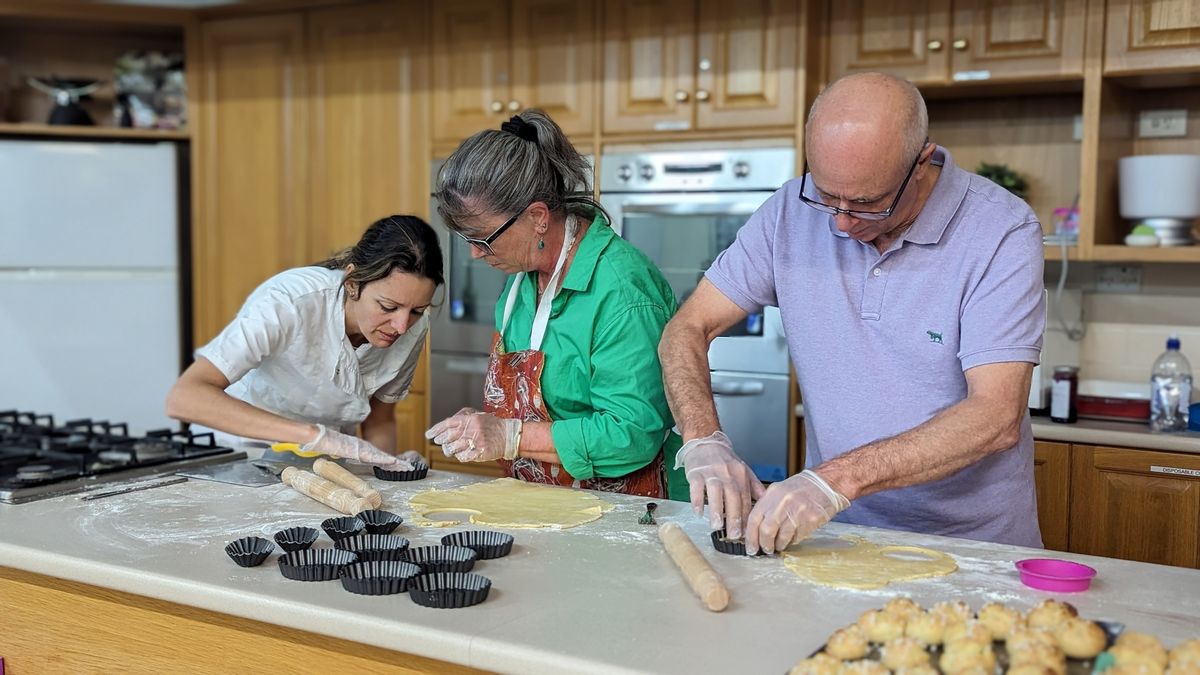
x: 287, y: 352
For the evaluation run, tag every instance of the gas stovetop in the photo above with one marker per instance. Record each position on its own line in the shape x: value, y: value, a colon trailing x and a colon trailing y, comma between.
x: 40, y: 459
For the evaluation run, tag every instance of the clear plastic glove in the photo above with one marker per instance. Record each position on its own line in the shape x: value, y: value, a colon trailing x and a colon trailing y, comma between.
x: 337, y: 444
x: 713, y: 470
x: 477, y: 437
x: 790, y: 511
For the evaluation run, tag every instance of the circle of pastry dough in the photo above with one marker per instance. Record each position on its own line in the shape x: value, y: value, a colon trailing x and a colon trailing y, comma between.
x: 927, y: 627
x: 966, y: 655
x: 847, y: 644
x: 1186, y: 653
x: 508, y: 502
x: 1050, y: 614
x: 903, y: 652
x: 903, y: 606
x: 864, y: 667
x: 880, y: 626
x: 1148, y: 647
x: 955, y: 611
x: 968, y: 630
x: 818, y: 664
x: 1000, y: 619
x: 1081, y: 639
x: 1040, y: 654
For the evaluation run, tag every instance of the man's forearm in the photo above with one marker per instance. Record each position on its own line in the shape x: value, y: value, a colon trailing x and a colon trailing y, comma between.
x: 952, y: 440
x: 684, y: 356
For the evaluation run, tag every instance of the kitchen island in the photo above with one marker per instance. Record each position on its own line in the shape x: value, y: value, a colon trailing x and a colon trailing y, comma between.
x: 140, y: 582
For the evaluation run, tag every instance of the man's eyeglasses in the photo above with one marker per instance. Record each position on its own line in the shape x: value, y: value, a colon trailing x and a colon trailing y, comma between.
x: 485, y: 245
x: 815, y: 202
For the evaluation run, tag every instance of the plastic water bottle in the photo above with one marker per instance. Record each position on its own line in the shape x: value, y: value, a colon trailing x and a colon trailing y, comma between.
x: 1170, y: 389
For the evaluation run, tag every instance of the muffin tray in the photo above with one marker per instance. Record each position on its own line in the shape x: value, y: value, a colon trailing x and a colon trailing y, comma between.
x: 449, y: 590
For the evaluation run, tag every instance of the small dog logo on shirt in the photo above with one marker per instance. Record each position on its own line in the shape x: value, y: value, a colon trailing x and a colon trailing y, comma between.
x: 934, y: 336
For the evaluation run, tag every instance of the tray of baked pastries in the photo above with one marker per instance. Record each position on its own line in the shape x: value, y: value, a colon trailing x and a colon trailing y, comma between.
x: 949, y: 637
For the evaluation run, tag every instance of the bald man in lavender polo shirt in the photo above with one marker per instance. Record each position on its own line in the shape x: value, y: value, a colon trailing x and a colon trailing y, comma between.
x: 911, y: 295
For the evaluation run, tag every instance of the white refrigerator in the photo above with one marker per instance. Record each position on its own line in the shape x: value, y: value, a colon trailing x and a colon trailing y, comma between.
x: 90, y: 322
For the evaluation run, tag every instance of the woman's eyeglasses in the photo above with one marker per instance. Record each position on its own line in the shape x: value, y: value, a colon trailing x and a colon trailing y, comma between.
x: 485, y: 245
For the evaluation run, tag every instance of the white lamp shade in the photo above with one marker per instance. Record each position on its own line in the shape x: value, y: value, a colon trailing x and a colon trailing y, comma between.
x: 1160, y: 186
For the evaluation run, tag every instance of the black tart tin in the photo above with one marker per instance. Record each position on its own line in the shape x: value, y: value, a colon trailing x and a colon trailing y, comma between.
x: 340, y: 528
x: 374, y: 546
x: 249, y: 551
x: 441, y: 558
x: 296, y: 538
x: 449, y: 590
x: 729, y: 546
x: 486, y: 544
x: 379, y: 522
x: 315, y: 564
x: 420, y: 470
x: 378, y: 577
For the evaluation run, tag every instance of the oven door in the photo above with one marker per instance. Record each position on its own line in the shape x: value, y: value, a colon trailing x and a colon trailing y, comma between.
x: 682, y: 233
x: 753, y: 410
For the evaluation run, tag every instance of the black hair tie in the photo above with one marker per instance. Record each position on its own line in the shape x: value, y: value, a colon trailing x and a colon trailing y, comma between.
x: 520, y: 128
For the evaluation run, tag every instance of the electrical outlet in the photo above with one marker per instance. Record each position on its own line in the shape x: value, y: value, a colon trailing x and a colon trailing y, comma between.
x: 1162, y: 123
x: 1118, y: 278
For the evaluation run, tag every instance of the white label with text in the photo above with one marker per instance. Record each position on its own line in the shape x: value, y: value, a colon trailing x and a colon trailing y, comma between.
x: 1175, y: 470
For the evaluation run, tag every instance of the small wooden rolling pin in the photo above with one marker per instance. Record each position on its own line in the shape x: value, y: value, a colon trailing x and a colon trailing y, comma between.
x: 338, y: 474
x: 329, y: 494
x: 702, y: 577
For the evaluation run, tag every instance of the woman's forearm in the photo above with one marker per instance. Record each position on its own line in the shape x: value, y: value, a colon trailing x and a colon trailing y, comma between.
x: 199, y: 397
x: 537, y: 443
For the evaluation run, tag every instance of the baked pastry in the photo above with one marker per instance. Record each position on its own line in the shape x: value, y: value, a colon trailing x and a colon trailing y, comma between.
x: 965, y: 655
x: 1000, y: 619
x: 864, y: 667
x: 968, y: 630
x: 881, y: 626
x: 1050, y: 614
x: 1081, y: 639
x: 954, y: 611
x: 819, y: 664
x: 927, y: 627
x: 903, y: 652
x: 1186, y: 653
x: 1039, y: 654
x: 847, y: 644
x: 903, y: 606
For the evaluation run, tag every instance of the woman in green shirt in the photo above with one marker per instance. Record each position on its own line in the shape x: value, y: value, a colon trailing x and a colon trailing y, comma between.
x: 574, y: 392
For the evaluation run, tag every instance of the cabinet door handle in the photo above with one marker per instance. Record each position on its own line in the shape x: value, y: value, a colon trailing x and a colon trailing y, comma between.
x: 681, y: 96
x: 934, y: 45
x: 960, y: 45
x: 497, y: 106
x: 702, y: 95
x: 514, y: 105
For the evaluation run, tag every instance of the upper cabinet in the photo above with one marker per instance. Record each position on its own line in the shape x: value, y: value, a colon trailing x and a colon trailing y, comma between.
x: 676, y: 65
x: 936, y: 42
x: 494, y: 59
x: 1148, y: 35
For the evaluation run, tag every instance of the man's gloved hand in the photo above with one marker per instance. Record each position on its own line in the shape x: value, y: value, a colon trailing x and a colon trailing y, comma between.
x: 336, y: 444
x: 790, y: 511
x: 714, y: 470
x: 477, y: 437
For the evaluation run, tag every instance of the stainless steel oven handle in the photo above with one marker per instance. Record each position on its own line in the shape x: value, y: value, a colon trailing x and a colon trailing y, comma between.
x: 738, y: 388
x: 468, y: 366
x: 685, y: 209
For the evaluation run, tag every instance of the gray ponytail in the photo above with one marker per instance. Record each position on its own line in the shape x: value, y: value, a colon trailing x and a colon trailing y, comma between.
x: 502, y: 172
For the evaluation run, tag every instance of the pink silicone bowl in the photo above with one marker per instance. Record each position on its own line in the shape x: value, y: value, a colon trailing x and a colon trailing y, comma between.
x: 1049, y: 574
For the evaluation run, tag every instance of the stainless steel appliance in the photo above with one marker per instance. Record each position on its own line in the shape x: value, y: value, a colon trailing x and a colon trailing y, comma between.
x: 40, y: 459
x: 682, y: 209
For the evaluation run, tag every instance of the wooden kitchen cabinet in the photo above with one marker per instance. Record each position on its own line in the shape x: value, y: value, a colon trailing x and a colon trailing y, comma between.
x: 937, y: 42
x: 494, y: 59
x: 369, y: 124
x: 1052, y: 476
x: 1149, y: 35
x: 677, y: 65
x: 1136, y: 504
x: 251, y: 215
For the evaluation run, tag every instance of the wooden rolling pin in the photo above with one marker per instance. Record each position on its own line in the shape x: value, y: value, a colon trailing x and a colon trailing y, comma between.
x: 329, y: 494
x: 338, y: 474
x: 700, y: 576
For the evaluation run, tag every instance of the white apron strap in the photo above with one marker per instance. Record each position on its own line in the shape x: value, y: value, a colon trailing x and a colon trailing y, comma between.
x: 541, y: 319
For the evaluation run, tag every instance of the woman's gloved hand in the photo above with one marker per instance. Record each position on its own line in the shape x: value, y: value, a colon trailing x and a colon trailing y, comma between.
x: 713, y: 470
x: 790, y: 511
x: 336, y: 444
x: 477, y: 437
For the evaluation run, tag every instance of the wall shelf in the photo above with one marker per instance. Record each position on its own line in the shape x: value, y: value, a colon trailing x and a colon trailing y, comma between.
x: 1149, y: 254
x: 101, y: 133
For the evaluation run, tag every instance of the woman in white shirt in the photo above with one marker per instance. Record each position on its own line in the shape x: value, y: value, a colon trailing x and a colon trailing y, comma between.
x: 317, y: 351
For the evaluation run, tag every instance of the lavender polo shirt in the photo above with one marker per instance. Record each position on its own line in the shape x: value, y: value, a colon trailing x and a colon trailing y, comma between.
x: 881, y: 342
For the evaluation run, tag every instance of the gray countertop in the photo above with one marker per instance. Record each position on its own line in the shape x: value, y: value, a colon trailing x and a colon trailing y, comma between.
x: 1102, y: 432
x: 602, y: 597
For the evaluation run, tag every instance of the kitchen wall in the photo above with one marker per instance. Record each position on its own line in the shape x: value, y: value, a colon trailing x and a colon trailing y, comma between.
x: 1123, y: 332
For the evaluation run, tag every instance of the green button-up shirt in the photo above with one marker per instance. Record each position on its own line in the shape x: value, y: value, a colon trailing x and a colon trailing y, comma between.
x: 602, y: 382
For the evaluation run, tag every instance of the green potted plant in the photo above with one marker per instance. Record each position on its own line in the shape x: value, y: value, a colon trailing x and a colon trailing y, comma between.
x: 1005, y: 177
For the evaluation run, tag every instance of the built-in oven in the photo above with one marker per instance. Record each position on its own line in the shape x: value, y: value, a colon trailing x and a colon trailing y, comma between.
x: 682, y: 209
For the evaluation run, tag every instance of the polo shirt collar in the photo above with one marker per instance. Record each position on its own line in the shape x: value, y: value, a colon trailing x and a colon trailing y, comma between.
x: 587, y: 256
